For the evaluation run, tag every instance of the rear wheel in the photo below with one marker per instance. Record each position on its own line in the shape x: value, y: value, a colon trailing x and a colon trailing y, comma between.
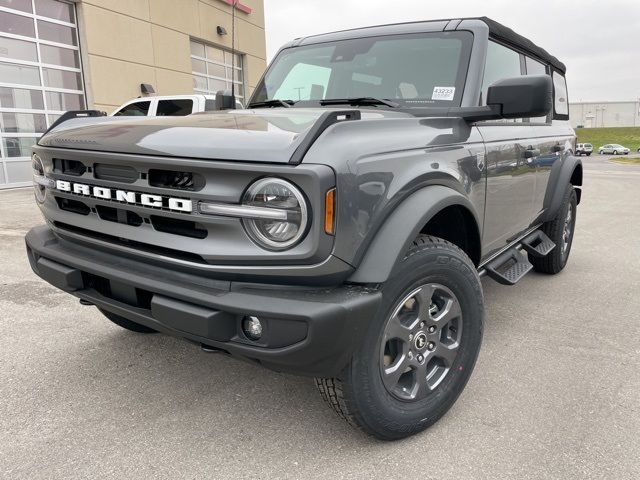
x: 417, y: 355
x: 126, y: 324
x: 615, y: 152
x: 588, y: 154
x: 560, y: 230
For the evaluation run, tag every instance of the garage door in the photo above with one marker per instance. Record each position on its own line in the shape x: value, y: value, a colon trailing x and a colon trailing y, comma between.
x: 40, y: 78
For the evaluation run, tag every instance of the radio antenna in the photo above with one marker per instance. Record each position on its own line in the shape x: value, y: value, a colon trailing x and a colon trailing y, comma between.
x: 233, y: 49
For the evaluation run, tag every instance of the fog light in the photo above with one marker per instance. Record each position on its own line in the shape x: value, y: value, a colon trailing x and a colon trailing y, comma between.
x: 252, y: 327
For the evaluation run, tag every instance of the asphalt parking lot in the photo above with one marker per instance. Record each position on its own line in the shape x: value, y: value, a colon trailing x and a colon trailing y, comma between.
x: 555, y: 393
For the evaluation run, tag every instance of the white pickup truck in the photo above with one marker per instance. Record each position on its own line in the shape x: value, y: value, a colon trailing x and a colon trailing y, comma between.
x: 168, y: 106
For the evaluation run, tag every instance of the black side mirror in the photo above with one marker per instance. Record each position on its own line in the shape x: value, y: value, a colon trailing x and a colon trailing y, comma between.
x: 224, y: 100
x: 525, y: 96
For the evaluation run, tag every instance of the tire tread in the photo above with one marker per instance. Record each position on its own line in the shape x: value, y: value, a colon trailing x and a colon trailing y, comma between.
x: 332, y: 390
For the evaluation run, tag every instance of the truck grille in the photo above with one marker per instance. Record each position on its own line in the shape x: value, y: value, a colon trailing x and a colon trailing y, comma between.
x: 177, y: 180
x: 145, y: 205
x: 144, y: 247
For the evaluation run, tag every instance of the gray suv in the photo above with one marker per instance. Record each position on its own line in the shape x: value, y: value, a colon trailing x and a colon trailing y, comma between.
x: 339, y: 227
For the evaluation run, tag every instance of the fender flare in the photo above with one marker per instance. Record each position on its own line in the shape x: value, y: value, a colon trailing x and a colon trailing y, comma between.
x: 559, y: 178
x: 402, y: 226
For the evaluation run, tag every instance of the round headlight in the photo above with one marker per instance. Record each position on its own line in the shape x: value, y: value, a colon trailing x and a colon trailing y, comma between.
x: 276, y: 234
x: 38, y: 173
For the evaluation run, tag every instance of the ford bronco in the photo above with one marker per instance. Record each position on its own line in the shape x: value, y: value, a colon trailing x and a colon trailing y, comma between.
x: 339, y: 226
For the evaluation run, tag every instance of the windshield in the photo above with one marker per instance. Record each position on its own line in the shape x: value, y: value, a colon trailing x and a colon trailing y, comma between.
x: 415, y: 70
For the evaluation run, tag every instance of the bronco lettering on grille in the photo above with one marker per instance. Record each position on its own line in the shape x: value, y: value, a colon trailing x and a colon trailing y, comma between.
x: 125, y: 196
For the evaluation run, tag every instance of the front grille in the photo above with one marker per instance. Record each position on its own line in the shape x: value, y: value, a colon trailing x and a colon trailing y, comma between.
x: 73, y: 206
x: 183, y: 228
x: 177, y: 180
x: 69, y: 167
x: 115, y: 173
x: 119, y: 215
x: 144, y: 247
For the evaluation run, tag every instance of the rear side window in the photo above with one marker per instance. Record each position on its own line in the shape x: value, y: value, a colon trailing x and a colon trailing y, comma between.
x: 174, y: 108
x: 137, y: 109
x: 536, y: 68
x: 560, y: 100
x: 502, y: 62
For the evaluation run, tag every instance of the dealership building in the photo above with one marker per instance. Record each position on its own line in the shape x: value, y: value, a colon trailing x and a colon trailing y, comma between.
x: 60, y: 55
x: 605, y: 114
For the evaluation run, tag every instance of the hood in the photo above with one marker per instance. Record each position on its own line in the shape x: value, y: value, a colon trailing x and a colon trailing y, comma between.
x: 264, y: 135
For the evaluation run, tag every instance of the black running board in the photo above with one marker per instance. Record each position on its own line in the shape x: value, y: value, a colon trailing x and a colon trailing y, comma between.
x: 512, y: 265
x: 509, y: 267
x: 538, y: 244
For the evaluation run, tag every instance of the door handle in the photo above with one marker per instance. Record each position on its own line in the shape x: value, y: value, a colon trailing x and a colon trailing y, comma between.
x: 531, y: 152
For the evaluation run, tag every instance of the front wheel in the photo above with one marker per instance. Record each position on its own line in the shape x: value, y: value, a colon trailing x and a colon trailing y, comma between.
x: 420, y: 350
x: 601, y: 152
x: 589, y: 154
x: 560, y: 230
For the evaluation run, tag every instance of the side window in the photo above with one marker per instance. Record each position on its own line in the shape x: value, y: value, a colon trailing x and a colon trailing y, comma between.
x: 502, y: 62
x: 137, y: 109
x: 174, y: 108
x: 536, y: 68
x: 304, y: 82
x: 560, y: 100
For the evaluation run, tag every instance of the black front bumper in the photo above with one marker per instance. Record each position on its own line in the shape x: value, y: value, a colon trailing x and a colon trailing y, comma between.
x: 306, y: 331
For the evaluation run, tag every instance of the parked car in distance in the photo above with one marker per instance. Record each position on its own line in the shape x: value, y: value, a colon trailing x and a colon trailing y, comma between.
x: 168, y: 106
x: 613, y: 148
x: 584, y: 149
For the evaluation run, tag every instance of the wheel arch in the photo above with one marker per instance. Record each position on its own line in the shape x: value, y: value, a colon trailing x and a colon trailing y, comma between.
x: 568, y: 172
x: 403, y: 225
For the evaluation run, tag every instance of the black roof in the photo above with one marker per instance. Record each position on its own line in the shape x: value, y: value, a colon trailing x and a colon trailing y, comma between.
x: 505, y: 34
x: 496, y: 31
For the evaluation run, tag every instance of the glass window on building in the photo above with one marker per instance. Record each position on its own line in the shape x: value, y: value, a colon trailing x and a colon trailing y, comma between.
x: 40, y: 78
x: 215, y: 69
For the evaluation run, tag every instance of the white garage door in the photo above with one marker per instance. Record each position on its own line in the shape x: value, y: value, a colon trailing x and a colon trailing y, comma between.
x: 40, y: 78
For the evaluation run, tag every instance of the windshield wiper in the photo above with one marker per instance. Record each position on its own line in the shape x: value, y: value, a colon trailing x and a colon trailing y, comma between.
x: 359, y: 101
x: 276, y: 102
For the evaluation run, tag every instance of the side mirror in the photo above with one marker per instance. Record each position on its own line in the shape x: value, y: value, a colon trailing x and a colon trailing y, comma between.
x: 525, y: 96
x: 224, y: 100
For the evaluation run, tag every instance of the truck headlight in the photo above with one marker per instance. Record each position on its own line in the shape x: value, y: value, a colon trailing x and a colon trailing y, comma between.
x: 283, y: 197
x: 40, y: 182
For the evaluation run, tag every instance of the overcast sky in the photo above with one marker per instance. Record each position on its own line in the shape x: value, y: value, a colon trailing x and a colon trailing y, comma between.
x: 597, y: 40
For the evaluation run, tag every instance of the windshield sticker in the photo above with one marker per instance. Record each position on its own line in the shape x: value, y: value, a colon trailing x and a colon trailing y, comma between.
x: 443, y: 93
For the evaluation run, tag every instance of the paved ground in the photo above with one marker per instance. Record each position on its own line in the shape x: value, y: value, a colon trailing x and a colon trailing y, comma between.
x: 555, y: 394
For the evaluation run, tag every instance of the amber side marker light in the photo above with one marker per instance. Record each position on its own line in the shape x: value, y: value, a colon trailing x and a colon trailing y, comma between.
x: 330, y: 212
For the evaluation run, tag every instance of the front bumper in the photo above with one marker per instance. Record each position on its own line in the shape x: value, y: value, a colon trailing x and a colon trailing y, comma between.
x: 308, y: 331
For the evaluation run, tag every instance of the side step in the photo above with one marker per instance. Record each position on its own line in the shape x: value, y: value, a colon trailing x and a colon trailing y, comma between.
x: 508, y: 268
x: 538, y: 244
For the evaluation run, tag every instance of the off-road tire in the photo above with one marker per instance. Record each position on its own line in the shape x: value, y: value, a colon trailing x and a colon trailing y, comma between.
x: 556, y: 260
x: 126, y: 324
x: 359, y: 396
